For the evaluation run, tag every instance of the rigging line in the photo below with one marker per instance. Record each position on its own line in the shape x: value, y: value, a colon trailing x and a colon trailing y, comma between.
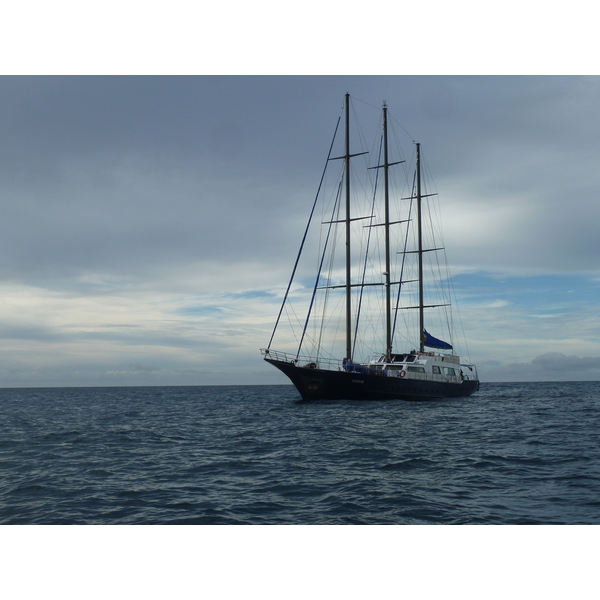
x: 365, y: 103
x: 404, y: 254
x: 460, y: 321
x: 312, y: 300
x: 362, y: 289
x: 433, y: 261
x: 362, y: 140
x: 444, y: 291
x: 328, y: 324
x: 435, y: 257
x: 401, y: 127
x: 397, y: 144
x: 445, y: 295
x: 336, y: 208
x: 305, y: 233
x: 292, y: 324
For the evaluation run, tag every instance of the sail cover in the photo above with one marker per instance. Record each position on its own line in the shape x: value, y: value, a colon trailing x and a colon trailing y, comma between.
x: 432, y: 342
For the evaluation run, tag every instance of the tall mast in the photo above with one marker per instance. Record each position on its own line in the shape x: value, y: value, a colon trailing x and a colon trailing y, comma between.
x: 388, y: 304
x: 348, y: 255
x: 420, y: 251
x: 386, y: 224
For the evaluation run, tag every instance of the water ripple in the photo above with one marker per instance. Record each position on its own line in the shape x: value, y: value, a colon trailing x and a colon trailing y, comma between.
x: 513, y: 454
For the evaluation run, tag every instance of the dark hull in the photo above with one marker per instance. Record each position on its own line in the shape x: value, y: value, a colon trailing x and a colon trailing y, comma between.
x: 319, y: 384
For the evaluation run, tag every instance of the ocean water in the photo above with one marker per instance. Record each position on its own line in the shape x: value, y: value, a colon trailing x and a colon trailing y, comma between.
x: 520, y: 453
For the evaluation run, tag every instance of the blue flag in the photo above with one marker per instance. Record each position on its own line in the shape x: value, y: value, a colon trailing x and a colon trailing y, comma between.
x: 432, y: 342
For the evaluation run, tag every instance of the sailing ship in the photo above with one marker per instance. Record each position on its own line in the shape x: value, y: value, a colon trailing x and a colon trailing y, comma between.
x: 364, y: 366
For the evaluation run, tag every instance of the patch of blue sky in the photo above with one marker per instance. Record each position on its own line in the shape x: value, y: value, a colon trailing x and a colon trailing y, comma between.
x: 308, y: 283
x: 549, y: 293
x: 252, y: 294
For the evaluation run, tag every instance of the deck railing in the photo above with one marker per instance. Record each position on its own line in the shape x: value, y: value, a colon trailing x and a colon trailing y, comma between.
x: 304, y: 360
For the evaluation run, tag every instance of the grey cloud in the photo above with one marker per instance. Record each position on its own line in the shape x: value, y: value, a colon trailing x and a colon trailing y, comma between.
x: 113, y: 186
x: 137, y: 175
x: 556, y: 361
x: 550, y: 366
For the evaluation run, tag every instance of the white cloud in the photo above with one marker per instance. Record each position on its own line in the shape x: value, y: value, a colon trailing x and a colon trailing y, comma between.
x: 497, y: 304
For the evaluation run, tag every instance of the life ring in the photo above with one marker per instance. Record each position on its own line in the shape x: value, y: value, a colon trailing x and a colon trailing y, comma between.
x: 402, y: 373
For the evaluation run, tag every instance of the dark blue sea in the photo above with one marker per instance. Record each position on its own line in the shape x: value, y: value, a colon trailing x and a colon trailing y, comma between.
x: 519, y: 453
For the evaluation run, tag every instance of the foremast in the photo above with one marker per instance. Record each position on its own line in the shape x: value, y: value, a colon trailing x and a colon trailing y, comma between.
x: 348, y: 220
x: 388, y: 284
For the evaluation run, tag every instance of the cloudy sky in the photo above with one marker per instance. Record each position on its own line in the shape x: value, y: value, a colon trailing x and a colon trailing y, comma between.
x: 149, y: 224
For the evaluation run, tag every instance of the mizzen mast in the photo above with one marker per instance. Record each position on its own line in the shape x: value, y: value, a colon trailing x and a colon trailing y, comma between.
x: 388, y: 301
x: 420, y: 254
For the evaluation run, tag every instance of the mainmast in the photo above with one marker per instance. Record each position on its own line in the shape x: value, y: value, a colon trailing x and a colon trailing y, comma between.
x: 348, y: 254
x: 388, y: 303
x: 420, y: 253
x: 386, y: 224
